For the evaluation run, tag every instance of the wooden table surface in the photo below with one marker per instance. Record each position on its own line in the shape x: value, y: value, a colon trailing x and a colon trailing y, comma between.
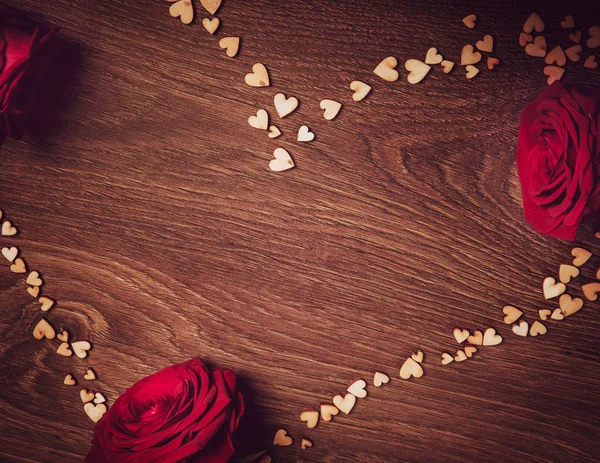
x: 145, y: 200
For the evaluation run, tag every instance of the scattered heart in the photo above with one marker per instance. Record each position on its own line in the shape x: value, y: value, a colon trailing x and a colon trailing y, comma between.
x: 554, y: 73
x: 556, y: 55
x: 537, y: 49
x: 568, y: 22
x: 328, y: 411
x: 433, y: 57
x: 260, y: 121
x: 557, y: 315
x: 344, y: 404
x: 487, y: 44
x: 34, y: 279
x: 283, y: 161
x: 10, y: 253
x: 469, y: 56
x: 512, y: 314
x: 581, y: 256
x: 411, y: 368
x: 274, y: 132
x: 259, y: 77
x: 594, y: 40
x: 99, y: 398
x: 490, y: 338
x: 469, y: 21
x: 476, y: 338
x: 358, y: 388
x: 69, y: 380
x: 569, y: 305
x: 418, y: 356
x: 524, y: 39
x: 64, y: 350
x: 573, y: 53
x: 46, y: 302
x: 304, y: 134
x: 591, y: 62
x: 472, y: 71
x: 44, y: 330
x: 386, y: 70
x: 182, y: 9
x: 552, y: 289
x: 311, y: 417
x: 533, y: 22
x: 211, y: 25
x: 95, y: 412
x: 285, y: 106
x: 282, y: 438
x: 18, y: 266
x: 331, y: 109
x: 591, y: 290
x: 492, y: 63
x: 576, y: 37
x: 380, y: 378
x: 470, y: 350
x: 447, y: 358
x: 232, y: 46
x: 80, y: 348
x: 211, y: 5
x: 460, y: 335
x: 544, y: 313
x: 418, y: 70
x: 90, y: 374
x: 566, y: 272
x: 537, y: 328
x: 361, y: 90
x: 63, y: 336
x: 34, y: 291
x: 86, y: 396
x: 8, y: 229
x: 447, y: 66
x: 521, y: 329
x: 306, y: 444
x: 460, y: 356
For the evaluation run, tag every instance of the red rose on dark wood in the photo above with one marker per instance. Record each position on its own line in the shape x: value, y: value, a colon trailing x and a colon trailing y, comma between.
x: 558, y: 161
x: 184, y: 413
x: 22, y: 46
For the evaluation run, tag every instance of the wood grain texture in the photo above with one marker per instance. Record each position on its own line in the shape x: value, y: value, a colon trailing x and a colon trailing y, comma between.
x: 145, y: 201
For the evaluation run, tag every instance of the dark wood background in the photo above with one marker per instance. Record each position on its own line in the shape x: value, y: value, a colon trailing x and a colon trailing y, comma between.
x: 145, y: 200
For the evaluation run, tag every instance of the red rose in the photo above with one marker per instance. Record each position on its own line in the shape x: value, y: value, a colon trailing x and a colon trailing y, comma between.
x: 184, y: 413
x: 22, y: 45
x: 558, y: 161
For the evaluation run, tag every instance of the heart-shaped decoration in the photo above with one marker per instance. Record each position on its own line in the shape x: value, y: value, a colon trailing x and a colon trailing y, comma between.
x: 537, y: 48
x: 274, y: 132
x: 590, y: 291
x: 573, y: 53
x: 418, y: 356
x: 95, y: 412
x: 328, y: 411
x: 470, y: 350
x: 411, y: 368
x: 331, y: 109
x: 69, y: 380
x: 447, y: 66
x: 544, y: 313
x: 211, y: 25
x: 10, y: 253
x: 311, y: 417
x: 461, y: 335
x: 380, y: 378
x: 259, y: 77
x: 591, y: 62
x: 490, y: 338
x: 556, y: 55
x: 344, y: 404
x: 34, y: 291
x: 282, y: 438
x: 90, y: 374
x: 469, y: 56
x: 568, y: 22
x: 418, y: 70
x: 512, y: 314
x: 554, y: 73
x: 182, y: 9
x: 472, y: 71
x: 537, y: 328
x: 581, y: 256
x: 231, y: 46
x: 99, y: 398
x: 552, y: 288
x: 476, y: 338
x: 469, y: 21
x: 460, y: 356
x: 386, y: 70
x: 433, y: 57
x: 358, y: 388
x: 18, y: 266
x: 283, y: 161
x: 80, y: 348
x: 285, y: 106
x: 8, y: 229
x: 557, y: 315
x: 63, y: 336
x: 576, y: 37
x: 492, y: 63
x: 524, y: 39
x: 361, y: 90
x: 447, y: 358
x: 306, y: 444
x: 44, y: 330
x: 86, y: 396
x: 46, y: 302
x: 533, y: 22
x: 211, y: 5
x: 594, y: 40
x: 260, y: 121
x: 487, y: 44
x: 64, y: 350
x: 521, y: 329
x: 34, y: 279
x: 566, y: 272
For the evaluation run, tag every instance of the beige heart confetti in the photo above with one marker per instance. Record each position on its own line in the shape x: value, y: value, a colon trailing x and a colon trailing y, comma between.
x: 211, y: 5
x: 591, y: 290
x: 259, y: 77
x: 260, y: 121
x: 44, y: 330
x: 554, y: 73
x: 331, y: 109
x: 211, y: 25
x: 447, y: 358
x: 552, y: 288
x: 576, y: 37
x: 492, y: 63
x: 311, y: 417
x: 328, y: 411
x: 460, y: 356
x: 573, y: 53
x: 344, y: 404
x: 283, y: 161
x: 182, y: 9
x: 569, y: 305
x: 10, y: 253
x: 34, y: 291
x: 524, y: 39
x: 557, y: 315
x: 18, y: 266
x: 537, y: 49
x: 358, y: 388
x: 469, y: 21
x: 64, y: 350
x: 95, y: 412
x: 594, y: 40
x: 556, y: 55
x: 418, y: 356
x: 544, y: 313
x: 490, y: 338
x: 487, y: 44
x: 581, y: 256
x: 386, y: 70
x: 90, y: 374
x: 46, y: 302
x: 470, y: 350
x: 232, y: 46
x: 566, y: 272
x: 469, y: 56
x: 285, y: 106
x: 274, y: 131
x: 304, y: 134
x: 86, y: 396
x: 537, y: 328
x: 447, y: 66
x: 418, y: 70
x: 512, y: 314
x: 472, y: 71
x: 282, y: 438
x: 461, y: 335
x: 521, y: 329
x: 99, y: 398
x: 533, y: 22
x: 361, y: 90
x: 380, y: 378
x: 34, y: 279
x: 411, y: 368
x: 8, y: 229
x: 476, y: 338
x: 568, y: 22
x: 69, y: 380
x: 80, y: 348
x: 590, y: 62
x: 63, y: 336
x: 433, y: 57
x: 306, y: 444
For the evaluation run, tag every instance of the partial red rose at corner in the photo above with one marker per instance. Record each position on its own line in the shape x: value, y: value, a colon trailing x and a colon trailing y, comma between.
x: 23, y: 43
x: 184, y: 413
x: 558, y: 159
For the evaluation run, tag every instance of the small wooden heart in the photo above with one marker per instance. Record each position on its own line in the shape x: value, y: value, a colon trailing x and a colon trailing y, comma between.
x: 344, y: 404
x: 556, y: 55
x: 306, y: 444
x: 10, y: 253
x: 380, y: 378
x: 591, y: 290
x: 63, y: 336
x: 447, y: 66
x: 537, y: 328
x: 211, y: 5
x: 411, y: 368
x: 80, y: 348
x: 581, y: 256
x: 231, y: 46
x: 328, y: 411
x: 358, y: 388
x: 8, y: 229
x: 34, y: 291
x: 211, y: 25
x: 44, y: 330
x: 591, y: 62
x: 34, y: 279
x: 537, y: 49
x: 361, y: 90
x: 433, y: 57
x: 285, y: 106
x: 46, y: 302
x: 544, y: 313
x: 524, y: 39
x: 447, y: 358
x: 304, y: 134
x: 90, y: 374
x: 512, y: 314
x: 417, y: 356
x: 283, y: 161
x: 490, y: 338
x: 469, y: 21
x: 311, y: 417
x: 576, y: 37
x: 461, y: 335
x: 386, y: 70
x: 282, y: 438
x: 533, y: 22
x: 330, y: 109
x: 573, y: 53
x: 552, y: 289
x: 487, y: 44
x: 182, y: 9
x: 557, y: 315
x: 86, y: 396
x: 476, y: 338
x: 554, y: 73
x: 566, y: 272
x: 492, y: 63
x: 99, y: 398
x: 64, y: 350
x: 470, y: 350
x: 95, y: 412
x: 469, y: 56
x: 18, y: 266
x: 274, y: 131
x: 568, y: 22
x: 460, y: 356
x: 260, y: 121
x: 594, y: 40
x: 69, y: 380
x: 418, y: 70
x: 521, y: 329
x: 259, y: 77
x: 472, y: 71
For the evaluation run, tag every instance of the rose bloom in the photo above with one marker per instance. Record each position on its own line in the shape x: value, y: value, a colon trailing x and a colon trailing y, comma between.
x: 184, y: 413
x: 23, y: 43
x: 558, y: 161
